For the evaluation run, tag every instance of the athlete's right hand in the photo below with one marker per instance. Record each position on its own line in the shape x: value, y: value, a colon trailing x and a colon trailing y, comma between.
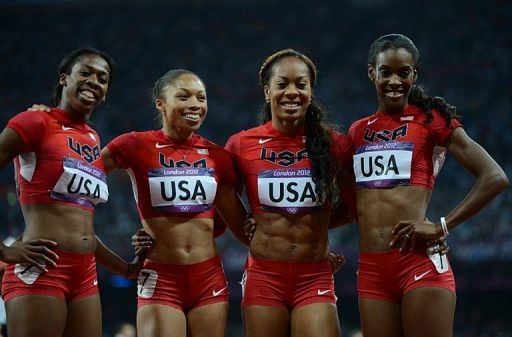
x: 39, y: 107
x: 36, y: 252
x: 142, y: 242
x: 249, y: 226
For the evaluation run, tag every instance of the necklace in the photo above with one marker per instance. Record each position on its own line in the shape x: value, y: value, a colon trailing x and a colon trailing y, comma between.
x: 183, y: 155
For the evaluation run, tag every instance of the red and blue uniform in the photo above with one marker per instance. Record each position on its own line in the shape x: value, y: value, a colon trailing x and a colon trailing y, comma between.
x: 403, y: 149
x: 277, y: 173
x: 178, y: 179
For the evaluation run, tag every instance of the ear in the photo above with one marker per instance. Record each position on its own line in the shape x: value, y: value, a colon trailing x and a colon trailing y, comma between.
x: 160, y: 105
x: 415, y: 74
x: 266, y: 92
x: 371, y: 73
x: 63, y: 79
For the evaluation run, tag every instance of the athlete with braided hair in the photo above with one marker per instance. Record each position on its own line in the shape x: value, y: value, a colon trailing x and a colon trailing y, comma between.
x: 291, y: 170
x: 404, y: 289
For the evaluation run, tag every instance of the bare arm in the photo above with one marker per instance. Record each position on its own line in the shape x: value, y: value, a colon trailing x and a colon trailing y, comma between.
x: 490, y: 181
x: 108, y: 161
x: 33, y: 251
x: 114, y: 263
x: 232, y: 211
x: 490, y: 178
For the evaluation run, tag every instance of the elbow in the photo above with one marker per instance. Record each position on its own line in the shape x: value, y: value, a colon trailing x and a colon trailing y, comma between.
x: 499, y: 181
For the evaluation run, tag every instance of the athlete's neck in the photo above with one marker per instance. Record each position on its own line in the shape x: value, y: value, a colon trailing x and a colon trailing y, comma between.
x: 286, y: 126
x: 177, y: 134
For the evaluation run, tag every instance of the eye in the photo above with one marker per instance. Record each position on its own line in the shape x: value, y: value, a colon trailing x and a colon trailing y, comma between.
x: 384, y: 72
x: 405, y: 73
x: 281, y: 85
x: 84, y: 73
x: 103, y: 80
x: 301, y: 85
x: 182, y: 97
x: 201, y: 98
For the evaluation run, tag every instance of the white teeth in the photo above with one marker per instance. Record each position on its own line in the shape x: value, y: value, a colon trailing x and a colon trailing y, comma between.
x: 291, y: 105
x: 192, y: 117
x: 394, y: 94
x: 87, y: 93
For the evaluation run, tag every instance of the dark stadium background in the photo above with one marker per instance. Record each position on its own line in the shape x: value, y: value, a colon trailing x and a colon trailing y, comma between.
x: 466, y: 49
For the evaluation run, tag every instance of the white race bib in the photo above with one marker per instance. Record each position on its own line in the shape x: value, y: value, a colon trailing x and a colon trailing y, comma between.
x: 382, y: 165
x: 288, y: 190
x: 182, y: 189
x: 81, y: 183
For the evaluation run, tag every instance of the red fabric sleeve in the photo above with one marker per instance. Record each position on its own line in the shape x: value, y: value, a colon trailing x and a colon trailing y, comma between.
x: 440, y: 130
x: 30, y: 126
x: 121, y: 147
x: 226, y: 170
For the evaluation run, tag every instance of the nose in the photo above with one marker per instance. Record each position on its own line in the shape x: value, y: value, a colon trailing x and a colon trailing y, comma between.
x: 194, y: 103
x: 395, y: 80
x: 92, y: 80
x: 291, y: 91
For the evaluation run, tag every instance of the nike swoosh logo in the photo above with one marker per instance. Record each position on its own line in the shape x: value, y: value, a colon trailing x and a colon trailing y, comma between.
x: 263, y: 141
x: 323, y: 292
x: 65, y: 128
x: 371, y: 122
x: 420, y: 276
x: 159, y: 146
x: 95, y: 282
x: 217, y: 293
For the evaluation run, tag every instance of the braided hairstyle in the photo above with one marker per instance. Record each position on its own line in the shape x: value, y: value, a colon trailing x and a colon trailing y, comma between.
x: 418, y: 94
x: 318, y: 131
x: 67, y: 64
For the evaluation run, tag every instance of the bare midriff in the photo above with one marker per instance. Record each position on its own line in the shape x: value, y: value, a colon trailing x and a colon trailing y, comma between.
x: 292, y: 238
x: 181, y: 240
x: 71, y: 227
x: 379, y: 210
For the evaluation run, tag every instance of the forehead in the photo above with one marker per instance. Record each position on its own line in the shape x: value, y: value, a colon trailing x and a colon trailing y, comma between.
x: 394, y: 57
x: 290, y: 67
x: 92, y: 61
x: 188, y: 82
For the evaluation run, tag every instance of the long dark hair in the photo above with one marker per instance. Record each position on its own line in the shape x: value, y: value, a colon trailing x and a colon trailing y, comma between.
x: 318, y: 131
x: 69, y: 61
x: 418, y: 94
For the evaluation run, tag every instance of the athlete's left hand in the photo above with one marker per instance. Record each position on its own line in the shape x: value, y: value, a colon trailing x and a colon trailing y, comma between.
x: 39, y: 107
x: 407, y: 232
x: 337, y: 261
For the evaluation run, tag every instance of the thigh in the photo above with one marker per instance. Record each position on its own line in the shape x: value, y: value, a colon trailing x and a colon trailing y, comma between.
x: 380, y: 318
x: 265, y: 321
x: 84, y: 317
x: 208, y: 320
x: 318, y: 319
x: 428, y: 311
x: 36, y: 316
x: 156, y: 320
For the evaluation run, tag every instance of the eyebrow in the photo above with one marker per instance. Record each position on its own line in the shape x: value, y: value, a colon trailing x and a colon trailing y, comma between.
x: 300, y: 77
x: 189, y: 91
x: 95, y: 69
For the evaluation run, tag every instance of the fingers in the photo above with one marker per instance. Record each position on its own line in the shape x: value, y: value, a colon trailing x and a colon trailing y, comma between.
x: 43, y: 253
x: 39, y: 107
x: 249, y: 226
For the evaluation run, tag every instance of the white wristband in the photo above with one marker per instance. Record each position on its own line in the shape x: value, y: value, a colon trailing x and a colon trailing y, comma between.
x: 444, y: 227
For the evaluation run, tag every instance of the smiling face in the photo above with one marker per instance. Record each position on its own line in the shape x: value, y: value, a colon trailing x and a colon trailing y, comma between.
x: 183, y: 106
x: 85, y: 87
x: 289, y: 93
x: 393, y: 74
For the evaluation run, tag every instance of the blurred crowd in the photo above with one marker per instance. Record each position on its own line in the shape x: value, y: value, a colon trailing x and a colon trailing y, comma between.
x: 465, y: 57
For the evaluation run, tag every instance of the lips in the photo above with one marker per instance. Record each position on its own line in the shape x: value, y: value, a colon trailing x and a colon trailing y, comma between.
x: 291, y: 106
x: 394, y: 94
x: 193, y: 117
x: 89, y: 95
